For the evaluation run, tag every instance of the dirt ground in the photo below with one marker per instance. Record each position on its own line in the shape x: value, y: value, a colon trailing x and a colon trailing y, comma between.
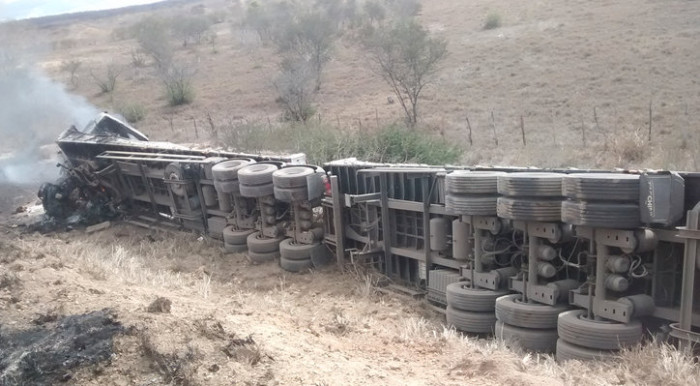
x: 229, y: 322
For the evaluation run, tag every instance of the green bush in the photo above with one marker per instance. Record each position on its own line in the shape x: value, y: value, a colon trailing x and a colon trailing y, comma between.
x: 132, y: 112
x: 179, y: 93
x: 177, y: 79
x: 493, y: 21
x: 322, y: 143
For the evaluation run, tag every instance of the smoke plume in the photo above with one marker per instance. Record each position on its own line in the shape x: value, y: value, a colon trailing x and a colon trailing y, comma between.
x: 34, y: 110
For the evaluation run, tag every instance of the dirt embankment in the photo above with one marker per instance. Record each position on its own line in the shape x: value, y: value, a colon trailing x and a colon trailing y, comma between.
x: 230, y: 322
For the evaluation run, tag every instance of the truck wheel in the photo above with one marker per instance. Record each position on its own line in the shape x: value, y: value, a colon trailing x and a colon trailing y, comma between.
x: 174, y: 172
x: 292, y: 251
x: 257, y: 191
x: 258, y: 174
x: 297, y: 266
x: 235, y: 248
x: 292, y: 177
x: 259, y: 258
x: 228, y: 170
x: 472, y: 182
x: 601, y: 215
x: 474, y: 322
x: 258, y: 244
x: 471, y: 205
x: 510, y: 310
x: 530, y: 339
x: 618, y: 187
x: 291, y: 194
x: 530, y: 184
x: 226, y: 187
x: 576, y: 329
x: 461, y: 297
x: 529, y: 209
x: 567, y: 351
x: 236, y: 236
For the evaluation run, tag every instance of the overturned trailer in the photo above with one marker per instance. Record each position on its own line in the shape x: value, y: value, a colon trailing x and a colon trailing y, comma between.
x: 581, y: 263
x: 112, y: 169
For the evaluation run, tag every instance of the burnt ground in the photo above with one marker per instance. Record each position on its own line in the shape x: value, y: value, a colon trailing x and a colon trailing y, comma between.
x: 13, y: 196
x: 48, y: 353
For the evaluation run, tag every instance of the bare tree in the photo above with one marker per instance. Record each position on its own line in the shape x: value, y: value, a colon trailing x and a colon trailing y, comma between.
x: 108, y: 82
x: 310, y: 36
x: 375, y: 11
x: 71, y: 67
x: 406, y: 57
x: 295, y: 85
x: 191, y: 29
x: 177, y: 79
x: 152, y: 36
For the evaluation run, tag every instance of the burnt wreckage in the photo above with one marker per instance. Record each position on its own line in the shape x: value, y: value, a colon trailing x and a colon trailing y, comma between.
x: 580, y: 263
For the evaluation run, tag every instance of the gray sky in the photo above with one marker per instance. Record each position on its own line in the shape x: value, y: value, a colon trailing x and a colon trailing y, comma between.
x: 22, y: 9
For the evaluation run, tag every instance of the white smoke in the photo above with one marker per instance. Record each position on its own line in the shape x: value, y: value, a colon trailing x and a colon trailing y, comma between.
x: 34, y: 110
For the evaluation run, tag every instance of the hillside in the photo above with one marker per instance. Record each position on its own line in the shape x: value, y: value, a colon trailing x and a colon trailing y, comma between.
x: 553, y: 63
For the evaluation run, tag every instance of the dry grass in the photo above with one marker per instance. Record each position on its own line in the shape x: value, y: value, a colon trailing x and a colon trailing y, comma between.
x: 268, y: 321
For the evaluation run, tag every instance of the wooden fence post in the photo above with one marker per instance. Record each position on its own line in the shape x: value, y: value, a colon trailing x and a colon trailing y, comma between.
x: 469, y: 126
x: 493, y: 128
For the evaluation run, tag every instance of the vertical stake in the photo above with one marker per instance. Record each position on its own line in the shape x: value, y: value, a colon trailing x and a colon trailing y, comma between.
x: 469, y: 126
x: 493, y: 128
x: 650, y: 116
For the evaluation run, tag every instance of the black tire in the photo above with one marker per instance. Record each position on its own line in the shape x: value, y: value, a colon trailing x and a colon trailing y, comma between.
x: 530, y: 184
x: 471, y: 205
x: 510, y: 310
x: 529, y: 209
x: 601, y: 215
x: 235, y: 248
x: 292, y: 177
x: 567, y: 351
x: 259, y: 258
x: 227, y: 187
x: 209, y: 163
x: 228, y: 170
x: 574, y: 328
x: 473, y: 322
x: 257, y: 174
x: 259, y: 244
x: 616, y: 187
x: 544, y: 341
x: 292, y: 251
x: 472, y: 182
x: 257, y: 191
x: 296, y: 266
x: 174, y: 172
x: 292, y: 194
x: 236, y: 236
x: 461, y: 297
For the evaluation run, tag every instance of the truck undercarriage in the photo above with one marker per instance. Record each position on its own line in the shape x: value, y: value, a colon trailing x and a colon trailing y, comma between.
x: 577, y: 262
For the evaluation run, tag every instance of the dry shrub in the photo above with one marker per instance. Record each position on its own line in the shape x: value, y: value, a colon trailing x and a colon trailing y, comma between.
x: 9, y: 280
x: 629, y: 147
x: 658, y: 364
x: 175, y: 368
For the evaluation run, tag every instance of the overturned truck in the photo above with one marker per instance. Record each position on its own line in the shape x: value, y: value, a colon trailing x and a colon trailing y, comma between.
x: 577, y: 263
